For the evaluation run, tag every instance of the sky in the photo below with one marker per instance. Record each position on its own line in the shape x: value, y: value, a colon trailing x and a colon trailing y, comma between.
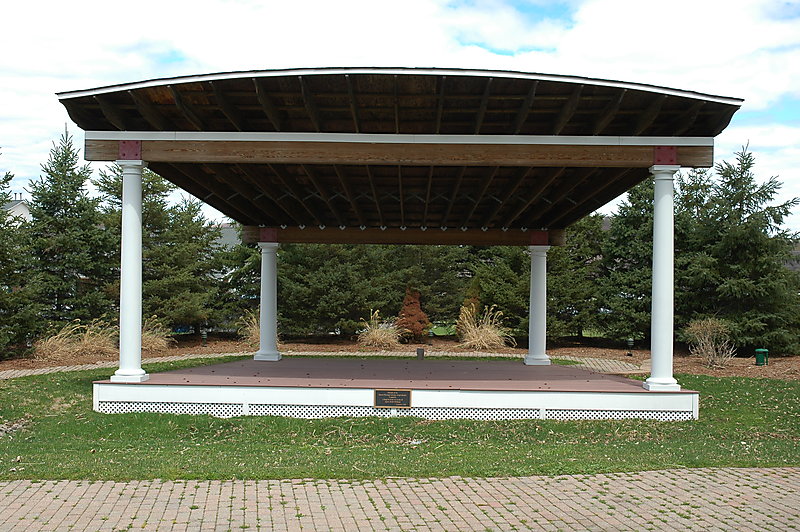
x: 747, y: 49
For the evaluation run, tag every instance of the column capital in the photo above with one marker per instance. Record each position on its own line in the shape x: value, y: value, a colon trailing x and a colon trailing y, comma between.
x: 539, y: 249
x: 131, y: 163
x: 664, y: 171
x: 268, y: 246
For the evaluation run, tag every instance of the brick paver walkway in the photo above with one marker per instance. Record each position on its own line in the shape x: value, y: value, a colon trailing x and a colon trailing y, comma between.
x: 600, y: 365
x: 698, y: 499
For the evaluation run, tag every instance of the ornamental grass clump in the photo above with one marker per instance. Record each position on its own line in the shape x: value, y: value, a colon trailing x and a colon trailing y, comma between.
x: 709, y: 339
x: 376, y: 333
x: 482, y: 331
x: 96, y: 339
x: 249, y: 329
x: 156, y: 338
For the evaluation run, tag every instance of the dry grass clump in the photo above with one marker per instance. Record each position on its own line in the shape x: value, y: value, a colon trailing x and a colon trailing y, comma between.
x: 248, y: 328
x: 383, y: 335
x: 155, y: 337
x: 482, y: 331
x: 96, y: 339
x: 710, y: 339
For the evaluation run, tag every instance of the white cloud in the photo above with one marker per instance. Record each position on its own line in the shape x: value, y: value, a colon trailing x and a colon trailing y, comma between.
x: 744, y: 48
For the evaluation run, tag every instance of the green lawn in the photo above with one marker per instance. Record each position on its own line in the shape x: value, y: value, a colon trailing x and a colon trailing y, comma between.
x: 744, y: 422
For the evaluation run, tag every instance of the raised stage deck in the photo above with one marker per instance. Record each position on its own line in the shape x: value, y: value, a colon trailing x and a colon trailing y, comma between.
x: 440, y: 389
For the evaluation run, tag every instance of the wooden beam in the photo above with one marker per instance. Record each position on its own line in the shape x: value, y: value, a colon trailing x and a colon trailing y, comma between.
x: 353, y: 106
x: 456, y: 189
x: 427, y: 197
x: 568, y: 111
x: 649, y: 115
x: 257, y: 180
x: 375, y: 196
x: 243, y: 213
x: 523, y: 175
x: 562, y: 192
x: 400, y: 190
x: 348, y: 191
x: 231, y: 112
x: 483, y: 106
x: 267, y: 105
x: 440, y: 106
x: 524, y: 110
x: 399, y: 154
x: 112, y: 113
x: 608, y: 114
x: 411, y: 235
x: 323, y: 193
x: 396, y: 107
x: 685, y: 120
x: 148, y: 110
x: 187, y: 109
x: 295, y: 189
x: 311, y: 105
x: 534, y: 197
x: 245, y: 189
x: 487, y: 181
x: 596, y: 189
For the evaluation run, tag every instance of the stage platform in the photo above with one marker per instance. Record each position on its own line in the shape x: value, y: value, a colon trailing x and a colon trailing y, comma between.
x: 433, y: 389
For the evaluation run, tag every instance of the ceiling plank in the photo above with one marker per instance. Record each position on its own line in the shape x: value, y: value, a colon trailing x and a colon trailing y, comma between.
x: 186, y: 109
x: 487, y: 181
x: 296, y: 191
x: 427, y: 197
x: 375, y: 197
x: 608, y: 114
x: 535, y: 195
x: 250, y: 174
x: 685, y: 120
x: 524, y: 110
x: 563, y: 192
x: 568, y: 110
x: 596, y: 189
x: 267, y: 105
x: 324, y: 194
x: 482, y: 108
x: 148, y: 110
x: 396, y: 107
x: 523, y: 175
x: 310, y: 103
x: 456, y: 189
x: 440, y: 106
x: 232, y: 206
x: 646, y: 118
x: 402, y: 203
x: 348, y: 191
x: 113, y: 113
x: 231, y: 113
x: 353, y: 106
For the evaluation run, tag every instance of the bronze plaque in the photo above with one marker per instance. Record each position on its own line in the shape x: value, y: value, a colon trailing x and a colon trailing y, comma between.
x: 392, y: 398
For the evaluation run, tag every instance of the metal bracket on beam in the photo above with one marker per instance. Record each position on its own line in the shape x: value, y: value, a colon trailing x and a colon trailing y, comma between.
x: 130, y: 150
x: 665, y: 155
x: 539, y: 238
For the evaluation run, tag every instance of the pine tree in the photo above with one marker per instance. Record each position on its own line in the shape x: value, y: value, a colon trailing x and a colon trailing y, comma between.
x: 71, y: 248
x: 19, y: 322
x: 180, y: 262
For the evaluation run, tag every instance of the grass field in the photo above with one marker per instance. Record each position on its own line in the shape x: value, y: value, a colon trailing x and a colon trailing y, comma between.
x: 743, y: 422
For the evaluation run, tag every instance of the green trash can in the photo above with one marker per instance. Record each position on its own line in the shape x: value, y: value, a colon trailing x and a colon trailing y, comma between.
x: 762, y: 357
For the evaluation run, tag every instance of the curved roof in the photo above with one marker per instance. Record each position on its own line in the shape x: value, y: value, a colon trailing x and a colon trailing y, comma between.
x: 401, y: 101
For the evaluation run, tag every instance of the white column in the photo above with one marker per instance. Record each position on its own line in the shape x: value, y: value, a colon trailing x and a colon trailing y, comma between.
x: 268, y: 317
x: 130, y: 286
x: 663, y: 310
x: 537, y: 319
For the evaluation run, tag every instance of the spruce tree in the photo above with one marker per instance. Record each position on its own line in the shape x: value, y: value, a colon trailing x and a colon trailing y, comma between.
x: 180, y: 263
x: 19, y: 322
x: 71, y: 248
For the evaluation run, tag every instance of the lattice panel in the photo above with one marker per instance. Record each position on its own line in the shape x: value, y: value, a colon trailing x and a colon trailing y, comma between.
x: 659, y: 415
x: 226, y: 410
x: 213, y: 409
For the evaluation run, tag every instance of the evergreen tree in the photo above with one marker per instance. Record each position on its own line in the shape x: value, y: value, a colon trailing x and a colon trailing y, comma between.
x: 19, y: 321
x: 180, y: 263
x: 71, y: 248
x: 502, y: 276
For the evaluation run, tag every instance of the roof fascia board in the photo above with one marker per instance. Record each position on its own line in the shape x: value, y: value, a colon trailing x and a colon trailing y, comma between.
x: 236, y: 136
x: 400, y: 71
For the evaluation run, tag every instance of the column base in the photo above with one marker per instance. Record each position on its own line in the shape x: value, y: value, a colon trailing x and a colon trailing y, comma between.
x: 540, y: 360
x: 271, y: 356
x: 666, y: 386
x: 130, y: 378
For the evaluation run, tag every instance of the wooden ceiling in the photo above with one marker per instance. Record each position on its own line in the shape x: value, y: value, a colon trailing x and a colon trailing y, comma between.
x: 484, y: 197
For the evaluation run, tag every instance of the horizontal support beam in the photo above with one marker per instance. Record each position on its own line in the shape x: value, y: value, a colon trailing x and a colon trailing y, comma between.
x: 411, y: 235
x: 391, y: 138
x: 358, y: 153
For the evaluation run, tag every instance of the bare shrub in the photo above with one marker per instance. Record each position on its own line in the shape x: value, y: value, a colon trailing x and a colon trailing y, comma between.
x: 709, y: 338
x: 249, y: 329
x: 377, y: 333
x: 96, y: 339
x: 156, y: 338
x: 482, y: 331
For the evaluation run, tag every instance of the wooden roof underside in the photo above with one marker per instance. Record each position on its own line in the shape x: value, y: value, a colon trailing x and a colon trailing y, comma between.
x: 397, y: 101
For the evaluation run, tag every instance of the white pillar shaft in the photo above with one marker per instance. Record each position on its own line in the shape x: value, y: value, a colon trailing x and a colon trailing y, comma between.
x: 268, y: 316
x: 663, y: 310
x: 130, y: 288
x: 537, y: 319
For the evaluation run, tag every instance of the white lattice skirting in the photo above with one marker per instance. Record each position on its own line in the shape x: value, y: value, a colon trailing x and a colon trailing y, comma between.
x: 310, y: 403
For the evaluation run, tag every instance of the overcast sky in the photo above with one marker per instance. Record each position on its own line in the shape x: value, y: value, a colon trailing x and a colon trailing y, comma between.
x: 742, y: 48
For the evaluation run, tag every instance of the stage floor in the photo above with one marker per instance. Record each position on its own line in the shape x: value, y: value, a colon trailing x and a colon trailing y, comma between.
x: 322, y: 387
